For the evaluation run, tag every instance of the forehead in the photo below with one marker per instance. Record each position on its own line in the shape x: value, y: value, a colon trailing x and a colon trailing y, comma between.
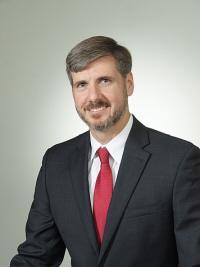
x: 104, y: 66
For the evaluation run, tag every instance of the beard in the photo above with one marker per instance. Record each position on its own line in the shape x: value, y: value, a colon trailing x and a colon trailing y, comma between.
x: 110, y: 121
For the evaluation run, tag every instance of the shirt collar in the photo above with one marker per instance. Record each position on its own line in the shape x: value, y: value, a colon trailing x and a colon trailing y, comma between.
x: 114, y: 146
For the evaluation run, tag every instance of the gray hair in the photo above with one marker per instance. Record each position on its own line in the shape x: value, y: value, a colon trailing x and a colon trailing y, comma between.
x: 93, y: 48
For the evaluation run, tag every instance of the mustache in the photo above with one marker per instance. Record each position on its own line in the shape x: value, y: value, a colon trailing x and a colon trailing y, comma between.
x: 98, y: 103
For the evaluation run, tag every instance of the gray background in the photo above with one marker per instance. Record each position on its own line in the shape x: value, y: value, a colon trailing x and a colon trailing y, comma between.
x: 36, y: 105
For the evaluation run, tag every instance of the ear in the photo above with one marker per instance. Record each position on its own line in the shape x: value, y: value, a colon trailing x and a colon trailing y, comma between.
x: 129, y: 84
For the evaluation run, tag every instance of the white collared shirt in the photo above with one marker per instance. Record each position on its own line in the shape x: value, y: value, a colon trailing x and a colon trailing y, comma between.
x: 115, y: 148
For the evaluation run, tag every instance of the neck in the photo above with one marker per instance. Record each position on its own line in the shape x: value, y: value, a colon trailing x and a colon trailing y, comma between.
x: 104, y: 137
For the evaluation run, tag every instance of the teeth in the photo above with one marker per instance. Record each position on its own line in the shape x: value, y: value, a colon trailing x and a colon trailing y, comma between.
x: 97, y: 109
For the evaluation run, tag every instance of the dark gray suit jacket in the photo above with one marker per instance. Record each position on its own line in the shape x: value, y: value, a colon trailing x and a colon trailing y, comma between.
x: 153, y: 219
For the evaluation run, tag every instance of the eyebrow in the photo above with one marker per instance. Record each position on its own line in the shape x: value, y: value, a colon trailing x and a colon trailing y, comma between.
x: 98, y: 79
x: 106, y: 77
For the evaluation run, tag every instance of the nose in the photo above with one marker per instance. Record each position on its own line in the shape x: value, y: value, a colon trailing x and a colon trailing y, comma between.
x: 93, y: 92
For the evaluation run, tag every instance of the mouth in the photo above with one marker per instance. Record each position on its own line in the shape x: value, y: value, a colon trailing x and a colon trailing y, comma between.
x: 97, y: 106
x: 99, y: 109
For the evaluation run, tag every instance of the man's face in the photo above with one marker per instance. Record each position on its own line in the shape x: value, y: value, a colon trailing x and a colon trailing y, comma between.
x: 101, y: 94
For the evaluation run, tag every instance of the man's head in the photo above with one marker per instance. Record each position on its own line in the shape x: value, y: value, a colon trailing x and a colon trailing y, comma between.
x: 100, y: 74
x: 94, y: 48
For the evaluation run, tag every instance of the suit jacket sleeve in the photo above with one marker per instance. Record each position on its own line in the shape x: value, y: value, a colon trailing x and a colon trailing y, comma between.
x: 43, y: 246
x: 186, y: 204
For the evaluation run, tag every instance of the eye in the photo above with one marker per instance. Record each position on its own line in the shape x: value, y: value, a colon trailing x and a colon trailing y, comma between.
x: 105, y: 80
x: 81, y: 85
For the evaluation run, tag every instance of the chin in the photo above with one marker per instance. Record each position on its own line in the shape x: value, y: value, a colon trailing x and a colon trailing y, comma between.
x: 102, y: 125
x: 97, y: 120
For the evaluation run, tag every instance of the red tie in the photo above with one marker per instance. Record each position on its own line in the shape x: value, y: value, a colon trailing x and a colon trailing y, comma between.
x: 102, y: 193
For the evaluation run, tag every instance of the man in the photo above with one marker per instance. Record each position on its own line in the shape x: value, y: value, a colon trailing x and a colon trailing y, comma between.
x: 121, y: 194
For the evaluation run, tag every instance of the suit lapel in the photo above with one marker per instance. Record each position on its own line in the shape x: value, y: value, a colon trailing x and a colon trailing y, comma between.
x: 79, y: 178
x: 133, y: 163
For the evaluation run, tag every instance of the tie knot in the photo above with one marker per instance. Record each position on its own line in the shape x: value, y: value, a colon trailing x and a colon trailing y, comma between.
x: 103, y: 155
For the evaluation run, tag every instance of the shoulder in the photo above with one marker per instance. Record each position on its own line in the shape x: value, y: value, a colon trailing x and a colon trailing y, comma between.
x: 65, y: 149
x: 161, y: 142
x: 170, y: 145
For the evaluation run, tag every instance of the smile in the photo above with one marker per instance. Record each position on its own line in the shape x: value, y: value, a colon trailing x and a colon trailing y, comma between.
x: 97, y: 109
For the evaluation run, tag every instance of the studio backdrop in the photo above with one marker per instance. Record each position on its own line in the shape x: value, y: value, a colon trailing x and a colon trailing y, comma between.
x: 36, y: 105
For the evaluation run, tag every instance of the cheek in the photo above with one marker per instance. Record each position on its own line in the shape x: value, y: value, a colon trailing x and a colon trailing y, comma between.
x: 79, y: 100
x: 116, y: 94
x: 116, y: 99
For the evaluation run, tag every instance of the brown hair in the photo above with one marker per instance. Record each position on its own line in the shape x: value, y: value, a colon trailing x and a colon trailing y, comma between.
x: 93, y: 48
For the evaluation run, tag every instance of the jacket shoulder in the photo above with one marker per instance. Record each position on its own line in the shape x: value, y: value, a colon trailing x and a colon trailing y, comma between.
x: 61, y: 150
x: 167, y: 142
